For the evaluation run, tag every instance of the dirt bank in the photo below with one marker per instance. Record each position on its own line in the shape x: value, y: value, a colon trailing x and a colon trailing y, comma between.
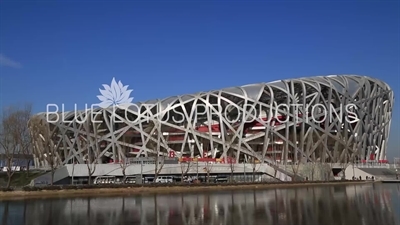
x: 125, y: 191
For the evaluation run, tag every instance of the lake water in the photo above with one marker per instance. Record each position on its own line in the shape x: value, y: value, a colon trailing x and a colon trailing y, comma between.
x: 341, y: 205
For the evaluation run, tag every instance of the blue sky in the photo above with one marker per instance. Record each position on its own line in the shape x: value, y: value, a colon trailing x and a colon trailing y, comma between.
x: 63, y: 51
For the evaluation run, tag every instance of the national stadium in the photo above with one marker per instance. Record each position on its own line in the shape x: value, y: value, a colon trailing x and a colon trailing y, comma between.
x: 335, y: 119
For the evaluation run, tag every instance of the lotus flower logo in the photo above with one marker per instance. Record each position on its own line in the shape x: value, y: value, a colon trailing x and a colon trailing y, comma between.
x: 114, y: 95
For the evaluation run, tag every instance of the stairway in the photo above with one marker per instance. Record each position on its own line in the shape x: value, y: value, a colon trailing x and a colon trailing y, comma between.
x: 45, y: 179
x: 278, y: 173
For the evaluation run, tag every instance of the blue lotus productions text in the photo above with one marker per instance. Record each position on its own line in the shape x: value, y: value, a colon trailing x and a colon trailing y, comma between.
x: 200, y: 113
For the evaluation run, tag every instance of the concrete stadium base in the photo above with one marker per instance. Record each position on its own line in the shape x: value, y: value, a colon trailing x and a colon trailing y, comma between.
x: 78, y: 171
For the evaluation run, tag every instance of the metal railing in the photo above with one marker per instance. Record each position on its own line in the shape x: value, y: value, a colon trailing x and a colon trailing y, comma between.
x: 377, y: 165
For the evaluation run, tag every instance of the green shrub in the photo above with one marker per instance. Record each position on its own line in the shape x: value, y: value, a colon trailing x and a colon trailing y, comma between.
x: 52, y: 188
x: 6, y: 189
x: 154, y: 185
x: 69, y: 187
x: 30, y: 188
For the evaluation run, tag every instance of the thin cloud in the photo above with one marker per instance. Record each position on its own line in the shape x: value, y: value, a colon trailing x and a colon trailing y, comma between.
x: 5, y: 61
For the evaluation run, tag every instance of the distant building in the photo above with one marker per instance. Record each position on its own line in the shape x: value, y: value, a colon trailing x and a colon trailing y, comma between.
x: 20, y: 160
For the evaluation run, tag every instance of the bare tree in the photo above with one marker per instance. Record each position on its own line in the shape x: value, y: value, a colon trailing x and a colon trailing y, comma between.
x: 52, y: 159
x: 232, y: 164
x: 158, y: 158
x: 43, y: 136
x: 185, y: 167
x: 25, y: 141
x: 208, y: 168
x: 91, y: 145
x: 27, y: 154
x: 295, y: 166
x: 254, y: 163
x: 328, y: 173
x: 123, y: 164
x: 159, y: 165
x: 91, y: 162
x: 51, y: 156
x: 353, y: 164
x: 73, y: 172
x: 344, y: 163
x: 91, y: 166
x: 313, y: 167
x: 343, y: 166
x: 154, y: 145
x: 14, y: 136
x: 396, y: 162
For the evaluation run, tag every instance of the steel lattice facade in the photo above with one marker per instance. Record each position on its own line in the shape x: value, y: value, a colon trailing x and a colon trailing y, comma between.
x: 296, y: 120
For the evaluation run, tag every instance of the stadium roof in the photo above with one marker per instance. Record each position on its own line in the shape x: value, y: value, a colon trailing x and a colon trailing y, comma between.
x: 344, y: 84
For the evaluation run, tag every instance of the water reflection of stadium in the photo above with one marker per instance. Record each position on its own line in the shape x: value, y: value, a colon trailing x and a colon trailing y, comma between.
x: 329, y: 205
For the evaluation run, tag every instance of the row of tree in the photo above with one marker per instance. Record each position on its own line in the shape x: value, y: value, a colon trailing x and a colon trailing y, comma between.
x: 15, y: 141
